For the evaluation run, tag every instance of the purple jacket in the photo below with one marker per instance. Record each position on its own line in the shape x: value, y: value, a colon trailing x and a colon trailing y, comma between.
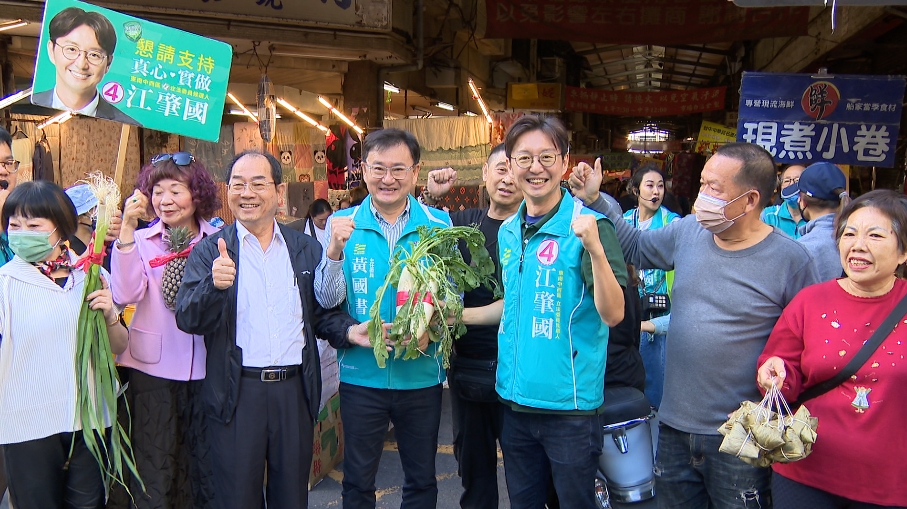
x: 156, y: 346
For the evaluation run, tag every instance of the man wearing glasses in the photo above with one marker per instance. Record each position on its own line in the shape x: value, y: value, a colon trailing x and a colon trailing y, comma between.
x: 81, y: 48
x: 8, y: 170
x: 563, y: 274
x: 406, y: 393
x: 249, y: 290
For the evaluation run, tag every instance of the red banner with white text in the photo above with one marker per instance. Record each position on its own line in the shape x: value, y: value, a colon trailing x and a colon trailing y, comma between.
x: 648, y: 104
x: 662, y: 22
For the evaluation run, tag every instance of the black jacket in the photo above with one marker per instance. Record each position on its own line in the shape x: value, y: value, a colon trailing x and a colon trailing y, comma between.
x: 203, y: 309
x: 105, y: 110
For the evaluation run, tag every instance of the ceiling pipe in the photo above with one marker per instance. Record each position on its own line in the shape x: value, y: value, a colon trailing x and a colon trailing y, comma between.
x: 384, y: 71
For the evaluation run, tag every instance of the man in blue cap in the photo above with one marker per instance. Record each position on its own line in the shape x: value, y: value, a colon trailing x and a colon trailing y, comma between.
x: 821, y: 192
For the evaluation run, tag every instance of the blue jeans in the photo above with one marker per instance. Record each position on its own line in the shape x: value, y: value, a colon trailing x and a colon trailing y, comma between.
x: 690, y: 473
x: 416, y: 415
x: 653, y: 358
x: 538, y: 447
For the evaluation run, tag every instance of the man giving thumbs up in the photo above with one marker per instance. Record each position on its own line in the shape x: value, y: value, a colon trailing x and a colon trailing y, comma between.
x: 249, y: 290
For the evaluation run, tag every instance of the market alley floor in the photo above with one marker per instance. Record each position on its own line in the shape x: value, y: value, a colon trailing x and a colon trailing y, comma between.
x: 390, y: 475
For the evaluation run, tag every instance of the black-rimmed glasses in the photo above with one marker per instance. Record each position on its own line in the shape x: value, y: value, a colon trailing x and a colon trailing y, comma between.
x: 10, y: 166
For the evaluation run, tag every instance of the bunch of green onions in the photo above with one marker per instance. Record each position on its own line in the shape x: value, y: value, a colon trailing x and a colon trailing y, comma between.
x: 96, y: 376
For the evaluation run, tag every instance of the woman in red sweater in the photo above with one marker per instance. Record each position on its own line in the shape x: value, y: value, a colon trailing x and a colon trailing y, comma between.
x: 858, y: 459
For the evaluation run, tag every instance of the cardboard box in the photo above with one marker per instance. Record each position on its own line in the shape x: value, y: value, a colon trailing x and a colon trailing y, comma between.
x: 327, y: 447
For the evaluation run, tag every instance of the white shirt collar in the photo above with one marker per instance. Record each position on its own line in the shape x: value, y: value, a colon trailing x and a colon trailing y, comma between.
x: 90, y: 109
x: 242, y: 232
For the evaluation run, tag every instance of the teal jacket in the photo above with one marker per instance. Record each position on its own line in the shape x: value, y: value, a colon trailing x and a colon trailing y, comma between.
x: 779, y: 216
x: 366, y: 262
x: 552, y: 343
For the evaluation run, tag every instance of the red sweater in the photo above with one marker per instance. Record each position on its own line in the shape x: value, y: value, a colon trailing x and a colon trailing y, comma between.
x: 860, y: 453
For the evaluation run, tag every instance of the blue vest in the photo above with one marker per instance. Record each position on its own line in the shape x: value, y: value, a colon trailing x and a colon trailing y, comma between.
x: 552, y: 344
x: 366, y: 262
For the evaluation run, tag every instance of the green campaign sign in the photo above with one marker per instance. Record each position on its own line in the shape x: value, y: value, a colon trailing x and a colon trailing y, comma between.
x: 104, y: 64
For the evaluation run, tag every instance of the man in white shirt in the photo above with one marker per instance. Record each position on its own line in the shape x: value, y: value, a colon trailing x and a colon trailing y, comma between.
x: 249, y: 289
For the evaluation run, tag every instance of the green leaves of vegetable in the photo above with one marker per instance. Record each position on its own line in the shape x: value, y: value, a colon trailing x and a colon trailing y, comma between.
x: 434, y: 261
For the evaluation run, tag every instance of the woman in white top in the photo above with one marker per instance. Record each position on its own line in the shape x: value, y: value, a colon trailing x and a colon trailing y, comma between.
x: 40, y: 299
x: 317, y: 219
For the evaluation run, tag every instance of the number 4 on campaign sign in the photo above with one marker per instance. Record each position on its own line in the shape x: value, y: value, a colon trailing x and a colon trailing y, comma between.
x: 104, y: 64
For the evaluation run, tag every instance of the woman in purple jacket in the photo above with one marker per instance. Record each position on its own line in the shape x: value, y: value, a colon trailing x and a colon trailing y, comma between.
x: 163, y: 365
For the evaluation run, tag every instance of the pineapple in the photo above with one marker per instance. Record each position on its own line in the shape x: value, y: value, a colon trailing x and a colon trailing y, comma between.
x: 177, y: 240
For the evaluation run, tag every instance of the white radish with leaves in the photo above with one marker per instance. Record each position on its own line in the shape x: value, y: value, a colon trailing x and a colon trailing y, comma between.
x: 429, y: 281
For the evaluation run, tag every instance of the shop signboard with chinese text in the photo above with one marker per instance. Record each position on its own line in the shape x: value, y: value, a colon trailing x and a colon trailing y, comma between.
x: 648, y: 104
x: 534, y: 96
x: 845, y: 119
x: 108, y: 65
x: 633, y: 22
x: 712, y: 136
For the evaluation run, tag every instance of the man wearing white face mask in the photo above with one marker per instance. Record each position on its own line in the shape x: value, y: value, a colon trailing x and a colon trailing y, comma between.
x: 734, y: 275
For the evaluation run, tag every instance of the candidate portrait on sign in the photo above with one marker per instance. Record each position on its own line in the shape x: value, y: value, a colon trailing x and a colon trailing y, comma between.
x: 80, y: 46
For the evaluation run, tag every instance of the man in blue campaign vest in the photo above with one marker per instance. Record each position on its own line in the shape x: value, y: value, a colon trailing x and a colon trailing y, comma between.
x: 562, y: 271
x: 407, y: 393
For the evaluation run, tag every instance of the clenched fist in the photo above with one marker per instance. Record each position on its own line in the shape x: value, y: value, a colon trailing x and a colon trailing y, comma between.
x: 586, y: 228
x: 341, y: 230
x: 223, y: 270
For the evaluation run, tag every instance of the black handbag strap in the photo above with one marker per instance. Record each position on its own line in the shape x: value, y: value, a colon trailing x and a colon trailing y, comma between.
x: 860, y: 358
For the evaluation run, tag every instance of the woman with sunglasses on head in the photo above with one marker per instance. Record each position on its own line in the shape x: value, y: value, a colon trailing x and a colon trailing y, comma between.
x: 41, y: 295
x: 162, y: 364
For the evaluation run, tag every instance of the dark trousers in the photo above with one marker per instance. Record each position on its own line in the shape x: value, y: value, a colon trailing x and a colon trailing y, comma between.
x: 2, y: 478
x: 271, y: 426
x: 690, y: 473
x: 539, y: 446
x: 476, y: 429
x: 169, y: 442
x: 416, y: 415
x: 39, y: 477
x: 790, y: 494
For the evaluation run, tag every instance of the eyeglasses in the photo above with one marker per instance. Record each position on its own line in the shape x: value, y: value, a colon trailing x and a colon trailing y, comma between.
x: 546, y: 159
x: 398, y: 172
x: 257, y: 187
x: 788, y: 181
x: 178, y: 158
x: 95, y: 57
x: 10, y: 166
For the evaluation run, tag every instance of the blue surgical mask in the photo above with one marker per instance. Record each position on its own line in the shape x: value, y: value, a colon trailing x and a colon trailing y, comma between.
x: 791, y: 201
x: 31, y: 246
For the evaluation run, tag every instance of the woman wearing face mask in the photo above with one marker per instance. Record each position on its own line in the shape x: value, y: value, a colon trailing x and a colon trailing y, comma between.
x: 41, y: 295
x: 858, y: 459
x: 164, y: 366
x: 786, y: 216
x: 649, y: 187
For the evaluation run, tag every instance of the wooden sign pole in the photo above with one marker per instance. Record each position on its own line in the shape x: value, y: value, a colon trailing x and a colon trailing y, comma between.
x: 121, y: 156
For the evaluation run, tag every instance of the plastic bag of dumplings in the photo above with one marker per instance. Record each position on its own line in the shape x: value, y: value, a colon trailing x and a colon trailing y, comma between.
x: 767, y: 432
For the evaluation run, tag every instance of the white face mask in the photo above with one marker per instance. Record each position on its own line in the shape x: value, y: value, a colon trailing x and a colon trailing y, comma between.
x: 710, y: 212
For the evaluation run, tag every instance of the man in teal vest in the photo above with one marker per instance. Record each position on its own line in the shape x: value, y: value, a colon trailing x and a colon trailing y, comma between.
x: 406, y: 393
x: 562, y: 271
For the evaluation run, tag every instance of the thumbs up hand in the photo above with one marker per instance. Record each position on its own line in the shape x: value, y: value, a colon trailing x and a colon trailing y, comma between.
x: 223, y: 270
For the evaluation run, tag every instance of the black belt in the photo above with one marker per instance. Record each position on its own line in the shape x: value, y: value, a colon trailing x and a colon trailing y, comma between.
x: 272, y: 373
